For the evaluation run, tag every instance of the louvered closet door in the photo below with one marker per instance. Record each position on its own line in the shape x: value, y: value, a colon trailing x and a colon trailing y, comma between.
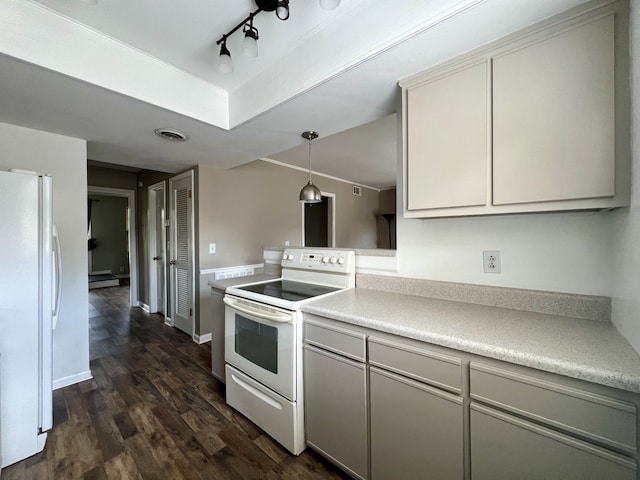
x: 182, y: 253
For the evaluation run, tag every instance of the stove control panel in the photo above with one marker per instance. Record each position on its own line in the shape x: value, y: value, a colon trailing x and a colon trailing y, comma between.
x: 321, y: 260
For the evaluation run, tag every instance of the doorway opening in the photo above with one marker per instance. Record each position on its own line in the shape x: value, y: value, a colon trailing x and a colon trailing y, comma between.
x: 318, y: 222
x: 103, y: 240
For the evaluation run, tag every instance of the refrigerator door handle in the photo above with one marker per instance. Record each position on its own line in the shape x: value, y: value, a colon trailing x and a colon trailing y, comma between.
x: 57, y: 260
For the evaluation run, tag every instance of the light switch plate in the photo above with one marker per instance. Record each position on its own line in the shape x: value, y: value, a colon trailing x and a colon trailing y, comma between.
x: 212, y: 248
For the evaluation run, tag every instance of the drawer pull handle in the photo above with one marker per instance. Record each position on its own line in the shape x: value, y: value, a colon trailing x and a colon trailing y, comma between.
x: 257, y: 393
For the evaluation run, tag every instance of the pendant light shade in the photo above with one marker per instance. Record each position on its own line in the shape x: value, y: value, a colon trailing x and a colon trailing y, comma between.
x: 310, y: 193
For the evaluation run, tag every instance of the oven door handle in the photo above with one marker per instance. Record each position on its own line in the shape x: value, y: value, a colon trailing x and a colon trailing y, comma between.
x: 274, y: 317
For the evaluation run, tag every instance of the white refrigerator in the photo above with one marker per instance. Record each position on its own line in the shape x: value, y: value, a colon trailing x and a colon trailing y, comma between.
x: 29, y: 282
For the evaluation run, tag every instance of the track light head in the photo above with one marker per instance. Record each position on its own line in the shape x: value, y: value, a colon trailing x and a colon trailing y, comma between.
x: 250, y: 42
x: 225, y: 65
x: 282, y: 9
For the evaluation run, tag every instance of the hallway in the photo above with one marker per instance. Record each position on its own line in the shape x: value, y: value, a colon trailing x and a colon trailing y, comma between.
x: 154, y: 411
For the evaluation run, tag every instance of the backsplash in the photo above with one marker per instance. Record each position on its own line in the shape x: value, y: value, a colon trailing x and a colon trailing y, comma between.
x: 588, y: 307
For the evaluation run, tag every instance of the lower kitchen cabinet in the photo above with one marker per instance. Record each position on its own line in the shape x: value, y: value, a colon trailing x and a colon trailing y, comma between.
x: 336, y: 409
x: 385, y: 407
x: 505, y: 447
x: 416, y: 430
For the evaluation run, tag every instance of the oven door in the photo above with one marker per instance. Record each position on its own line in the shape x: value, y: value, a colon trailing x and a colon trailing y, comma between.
x: 260, y: 341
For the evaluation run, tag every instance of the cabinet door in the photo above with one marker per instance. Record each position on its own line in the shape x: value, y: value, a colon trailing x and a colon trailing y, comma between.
x: 447, y: 146
x: 336, y: 409
x: 553, y: 118
x: 505, y: 448
x: 416, y: 431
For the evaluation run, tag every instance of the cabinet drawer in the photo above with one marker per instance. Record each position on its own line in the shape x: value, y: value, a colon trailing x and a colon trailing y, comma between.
x: 505, y: 448
x: 335, y: 339
x: 595, y: 417
x: 415, y: 362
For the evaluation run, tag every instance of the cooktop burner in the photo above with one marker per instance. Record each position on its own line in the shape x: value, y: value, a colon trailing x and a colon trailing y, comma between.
x: 288, y: 290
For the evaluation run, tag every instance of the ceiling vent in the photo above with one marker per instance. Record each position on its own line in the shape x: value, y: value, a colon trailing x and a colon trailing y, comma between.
x: 172, y: 134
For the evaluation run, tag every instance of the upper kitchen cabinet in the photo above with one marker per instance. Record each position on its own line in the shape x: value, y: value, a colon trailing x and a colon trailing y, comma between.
x: 535, y: 122
x: 447, y: 128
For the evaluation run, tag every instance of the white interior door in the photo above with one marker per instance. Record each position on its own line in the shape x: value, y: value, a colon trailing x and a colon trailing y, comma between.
x: 182, y: 242
x: 157, y: 248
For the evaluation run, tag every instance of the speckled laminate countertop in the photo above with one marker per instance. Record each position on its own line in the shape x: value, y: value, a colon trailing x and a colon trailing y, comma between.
x: 583, y: 349
x: 232, y: 282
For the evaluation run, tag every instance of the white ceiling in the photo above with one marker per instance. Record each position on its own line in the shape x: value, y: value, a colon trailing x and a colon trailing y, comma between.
x: 113, y: 72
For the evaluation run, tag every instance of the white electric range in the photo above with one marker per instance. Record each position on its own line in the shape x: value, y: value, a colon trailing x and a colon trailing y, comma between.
x: 263, y: 339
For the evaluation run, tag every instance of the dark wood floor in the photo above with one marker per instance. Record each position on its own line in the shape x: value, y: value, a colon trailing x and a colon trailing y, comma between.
x: 153, y: 411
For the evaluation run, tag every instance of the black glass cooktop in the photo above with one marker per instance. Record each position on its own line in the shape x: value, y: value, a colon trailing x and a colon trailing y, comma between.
x: 288, y: 290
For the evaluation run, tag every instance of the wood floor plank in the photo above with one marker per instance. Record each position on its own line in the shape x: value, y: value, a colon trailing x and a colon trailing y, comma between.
x: 122, y: 467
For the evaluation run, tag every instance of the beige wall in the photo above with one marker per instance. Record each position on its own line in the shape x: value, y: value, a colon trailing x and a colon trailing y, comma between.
x: 65, y: 159
x: 112, y: 178
x: 245, y: 208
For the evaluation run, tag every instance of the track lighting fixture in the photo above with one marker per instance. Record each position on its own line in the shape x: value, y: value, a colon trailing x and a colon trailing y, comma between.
x: 250, y: 41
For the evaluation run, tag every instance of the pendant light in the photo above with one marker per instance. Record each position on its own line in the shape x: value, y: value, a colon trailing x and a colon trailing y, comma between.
x: 310, y: 193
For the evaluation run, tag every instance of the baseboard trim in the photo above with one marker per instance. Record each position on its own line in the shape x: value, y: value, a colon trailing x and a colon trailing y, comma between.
x: 200, y: 339
x: 72, y: 379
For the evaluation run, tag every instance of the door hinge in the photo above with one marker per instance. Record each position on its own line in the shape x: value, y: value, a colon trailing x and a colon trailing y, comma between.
x: 191, y: 312
x: 166, y: 223
x: 189, y: 193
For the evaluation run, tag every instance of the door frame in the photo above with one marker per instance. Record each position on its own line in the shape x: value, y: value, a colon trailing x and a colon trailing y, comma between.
x: 332, y: 218
x: 153, y: 190
x: 130, y: 195
x: 172, y: 233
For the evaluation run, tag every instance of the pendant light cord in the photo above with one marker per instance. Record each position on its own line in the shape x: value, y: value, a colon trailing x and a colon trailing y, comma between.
x: 309, y: 160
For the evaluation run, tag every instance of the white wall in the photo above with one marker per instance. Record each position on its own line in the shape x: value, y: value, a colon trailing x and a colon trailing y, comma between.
x: 626, y: 223
x: 565, y: 252
x: 66, y: 160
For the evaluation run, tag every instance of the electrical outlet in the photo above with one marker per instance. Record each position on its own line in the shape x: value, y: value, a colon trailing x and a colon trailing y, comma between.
x: 212, y: 248
x: 491, y: 261
x: 122, y: 269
